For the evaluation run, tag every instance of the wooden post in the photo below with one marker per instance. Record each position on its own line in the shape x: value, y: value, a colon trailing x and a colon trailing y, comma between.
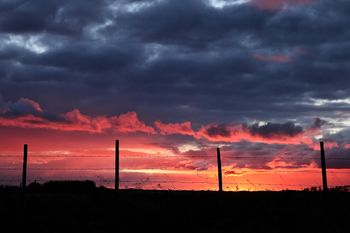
x: 324, y: 170
x: 219, y: 169
x: 116, y: 179
x: 24, y: 172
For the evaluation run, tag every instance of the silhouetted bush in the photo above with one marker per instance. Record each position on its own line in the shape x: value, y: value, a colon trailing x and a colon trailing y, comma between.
x: 9, y: 189
x: 69, y: 186
x: 34, y: 187
x: 313, y: 189
x: 345, y: 188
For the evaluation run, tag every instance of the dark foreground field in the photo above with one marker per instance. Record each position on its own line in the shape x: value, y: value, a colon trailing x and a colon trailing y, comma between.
x: 172, y: 211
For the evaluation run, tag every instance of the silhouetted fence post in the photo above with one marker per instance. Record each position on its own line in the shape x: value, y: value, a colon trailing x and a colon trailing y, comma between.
x: 324, y: 171
x: 24, y: 172
x: 219, y: 169
x: 116, y: 179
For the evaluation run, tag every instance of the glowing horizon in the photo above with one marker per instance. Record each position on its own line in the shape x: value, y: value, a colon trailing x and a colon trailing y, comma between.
x: 264, y: 80
x: 153, y: 167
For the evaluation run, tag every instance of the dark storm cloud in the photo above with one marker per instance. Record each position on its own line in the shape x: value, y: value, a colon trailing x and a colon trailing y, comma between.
x: 219, y: 130
x: 57, y: 16
x: 259, y: 156
x: 96, y: 59
x: 190, y: 23
x: 25, y: 107
x: 338, y: 158
x: 177, y: 60
x: 272, y: 129
x: 318, y: 123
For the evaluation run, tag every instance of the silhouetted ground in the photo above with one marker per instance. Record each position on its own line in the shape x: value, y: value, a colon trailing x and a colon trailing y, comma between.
x: 87, y: 209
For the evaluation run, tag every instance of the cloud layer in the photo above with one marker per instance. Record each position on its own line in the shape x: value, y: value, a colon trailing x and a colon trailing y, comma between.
x: 26, y: 113
x: 178, y: 60
x: 257, y: 78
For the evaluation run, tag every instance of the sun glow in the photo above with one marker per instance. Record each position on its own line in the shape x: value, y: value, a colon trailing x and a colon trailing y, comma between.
x: 157, y: 171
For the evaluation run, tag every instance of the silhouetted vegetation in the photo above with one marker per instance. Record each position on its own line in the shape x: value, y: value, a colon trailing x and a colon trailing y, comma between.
x: 345, y: 188
x: 64, y: 186
x: 52, y: 207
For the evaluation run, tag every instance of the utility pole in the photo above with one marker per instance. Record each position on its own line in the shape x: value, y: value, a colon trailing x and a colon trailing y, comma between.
x: 24, y: 172
x: 324, y: 169
x: 116, y: 179
x: 219, y: 169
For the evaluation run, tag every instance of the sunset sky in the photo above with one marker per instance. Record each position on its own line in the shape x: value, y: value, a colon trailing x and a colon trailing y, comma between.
x: 264, y: 80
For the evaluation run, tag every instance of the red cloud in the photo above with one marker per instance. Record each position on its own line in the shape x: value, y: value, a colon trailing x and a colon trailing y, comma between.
x: 184, y: 128
x: 270, y: 133
x: 234, y: 173
x: 129, y: 122
x: 239, y: 132
x: 27, y: 113
x: 278, y: 4
x: 75, y: 122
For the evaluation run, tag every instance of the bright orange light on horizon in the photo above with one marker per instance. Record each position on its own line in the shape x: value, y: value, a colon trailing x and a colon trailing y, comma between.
x: 157, y: 162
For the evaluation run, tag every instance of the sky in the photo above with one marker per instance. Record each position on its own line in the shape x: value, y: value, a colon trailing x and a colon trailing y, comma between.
x: 264, y: 80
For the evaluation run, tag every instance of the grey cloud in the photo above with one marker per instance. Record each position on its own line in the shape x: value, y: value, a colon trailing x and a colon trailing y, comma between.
x: 318, y: 123
x: 25, y: 107
x: 178, y: 60
x: 58, y: 17
x: 271, y: 130
x: 220, y: 130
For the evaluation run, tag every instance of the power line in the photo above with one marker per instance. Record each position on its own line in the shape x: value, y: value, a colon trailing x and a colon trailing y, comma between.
x: 172, y: 156
x: 58, y: 169
x: 58, y: 156
x: 144, y: 182
x: 109, y: 168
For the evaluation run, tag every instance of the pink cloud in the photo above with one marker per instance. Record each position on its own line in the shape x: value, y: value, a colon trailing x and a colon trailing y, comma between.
x: 328, y: 145
x: 83, y: 123
x: 20, y: 115
x: 22, y: 106
x: 280, y: 58
x: 277, y: 133
x: 27, y: 113
x: 240, y: 132
x: 129, y: 122
x: 76, y: 121
x: 184, y: 128
x: 29, y: 102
